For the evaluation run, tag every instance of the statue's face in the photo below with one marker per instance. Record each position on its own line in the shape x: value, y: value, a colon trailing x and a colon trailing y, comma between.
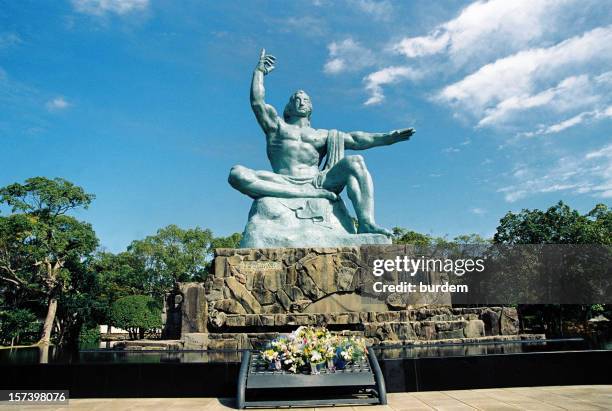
x: 301, y: 104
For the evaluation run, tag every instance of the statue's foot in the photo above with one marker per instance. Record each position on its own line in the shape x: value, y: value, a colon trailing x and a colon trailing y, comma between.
x: 372, y: 228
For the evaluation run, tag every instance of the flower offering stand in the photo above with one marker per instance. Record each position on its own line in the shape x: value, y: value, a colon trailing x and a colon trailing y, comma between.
x: 358, y: 383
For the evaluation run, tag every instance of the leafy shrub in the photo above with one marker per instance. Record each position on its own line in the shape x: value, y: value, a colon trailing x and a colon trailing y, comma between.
x: 18, y: 325
x: 136, y: 314
x: 89, y: 337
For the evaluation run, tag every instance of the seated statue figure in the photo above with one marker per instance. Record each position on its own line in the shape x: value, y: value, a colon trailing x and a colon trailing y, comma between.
x: 296, y: 152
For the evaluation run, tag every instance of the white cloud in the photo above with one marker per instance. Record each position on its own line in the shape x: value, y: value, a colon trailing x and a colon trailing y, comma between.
x: 379, y: 10
x: 478, y: 211
x: 521, y: 67
x: 304, y: 25
x: 590, y: 173
x: 103, y: 7
x: 486, y: 28
x: 571, y: 93
x: 57, y: 104
x: 347, y: 55
x: 515, y: 79
x: 9, y: 39
x: 334, y: 66
x: 585, y: 116
x: 423, y: 45
x: 388, y: 75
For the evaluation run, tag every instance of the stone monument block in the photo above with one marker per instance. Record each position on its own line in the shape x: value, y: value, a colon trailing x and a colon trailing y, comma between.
x: 194, y: 308
x: 256, y: 294
x: 303, y: 222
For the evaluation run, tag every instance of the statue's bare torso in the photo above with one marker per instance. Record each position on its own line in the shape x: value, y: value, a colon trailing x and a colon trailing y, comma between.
x: 296, y: 151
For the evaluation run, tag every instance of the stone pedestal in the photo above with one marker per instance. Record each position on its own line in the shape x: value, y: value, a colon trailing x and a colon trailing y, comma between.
x: 303, y: 222
x: 256, y: 294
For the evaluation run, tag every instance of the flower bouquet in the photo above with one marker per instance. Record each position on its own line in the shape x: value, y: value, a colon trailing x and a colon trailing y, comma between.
x: 312, y: 349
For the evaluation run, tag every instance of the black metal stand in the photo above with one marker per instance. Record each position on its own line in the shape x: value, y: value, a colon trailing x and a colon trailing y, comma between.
x: 258, y: 386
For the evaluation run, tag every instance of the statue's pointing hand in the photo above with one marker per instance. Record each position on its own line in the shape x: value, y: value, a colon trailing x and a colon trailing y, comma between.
x: 402, y: 134
x: 266, y: 62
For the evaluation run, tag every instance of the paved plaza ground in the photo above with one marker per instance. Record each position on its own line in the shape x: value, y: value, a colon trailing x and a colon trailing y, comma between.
x: 579, y: 397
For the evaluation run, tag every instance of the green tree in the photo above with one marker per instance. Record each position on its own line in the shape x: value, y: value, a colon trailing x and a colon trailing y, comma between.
x: 136, y: 314
x: 16, y: 323
x: 231, y: 241
x: 403, y: 236
x: 173, y: 255
x: 117, y: 276
x: 471, y: 239
x: 558, y: 225
x: 77, y: 305
x: 39, y: 238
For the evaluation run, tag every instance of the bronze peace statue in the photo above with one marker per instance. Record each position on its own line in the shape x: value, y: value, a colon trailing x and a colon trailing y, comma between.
x: 297, y: 204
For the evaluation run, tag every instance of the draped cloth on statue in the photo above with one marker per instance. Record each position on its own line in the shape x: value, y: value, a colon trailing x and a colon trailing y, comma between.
x: 335, y: 153
x: 335, y: 149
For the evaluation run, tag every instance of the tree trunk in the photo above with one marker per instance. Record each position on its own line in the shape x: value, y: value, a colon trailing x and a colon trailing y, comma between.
x: 49, y: 320
x: 60, y: 332
x: 43, y: 354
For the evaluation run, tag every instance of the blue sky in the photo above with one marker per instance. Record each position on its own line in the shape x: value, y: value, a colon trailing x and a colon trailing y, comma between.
x: 145, y: 103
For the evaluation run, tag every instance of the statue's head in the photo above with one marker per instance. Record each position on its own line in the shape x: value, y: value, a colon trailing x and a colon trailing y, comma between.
x: 299, y: 105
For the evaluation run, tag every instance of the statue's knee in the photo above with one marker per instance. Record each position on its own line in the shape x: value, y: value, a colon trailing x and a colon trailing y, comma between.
x: 237, y: 175
x: 356, y: 163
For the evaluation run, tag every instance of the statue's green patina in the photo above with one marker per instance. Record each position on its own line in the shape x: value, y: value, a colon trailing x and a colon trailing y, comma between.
x: 298, y: 196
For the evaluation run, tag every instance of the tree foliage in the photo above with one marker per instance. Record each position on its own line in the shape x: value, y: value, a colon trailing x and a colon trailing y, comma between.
x: 231, y: 241
x: 558, y: 225
x: 45, y: 197
x: 561, y: 224
x: 136, y: 314
x: 48, y: 269
x: 173, y: 255
x: 16, y: 324
x: 403, y: 236
x: 38, y: 239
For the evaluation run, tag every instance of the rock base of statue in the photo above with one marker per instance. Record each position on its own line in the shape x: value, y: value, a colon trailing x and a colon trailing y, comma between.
x: 303, y: 222
x: 256, y: 294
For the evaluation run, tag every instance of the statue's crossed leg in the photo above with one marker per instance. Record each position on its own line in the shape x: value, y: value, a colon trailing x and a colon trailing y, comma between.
x: 350, y: 172
x: 261, y: 183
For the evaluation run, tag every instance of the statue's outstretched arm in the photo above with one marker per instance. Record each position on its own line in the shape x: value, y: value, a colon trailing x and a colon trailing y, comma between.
x: 360, y: 140
x: 266, y: 114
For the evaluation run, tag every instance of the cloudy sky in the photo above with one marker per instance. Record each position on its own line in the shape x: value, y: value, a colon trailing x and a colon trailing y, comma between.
x: 145, y: 103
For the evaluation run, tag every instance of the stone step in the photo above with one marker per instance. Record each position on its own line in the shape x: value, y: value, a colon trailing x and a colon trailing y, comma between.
x: 254, y: 320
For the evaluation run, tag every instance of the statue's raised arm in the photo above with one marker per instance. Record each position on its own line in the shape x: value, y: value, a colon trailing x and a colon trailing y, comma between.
x: 266, y: 114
